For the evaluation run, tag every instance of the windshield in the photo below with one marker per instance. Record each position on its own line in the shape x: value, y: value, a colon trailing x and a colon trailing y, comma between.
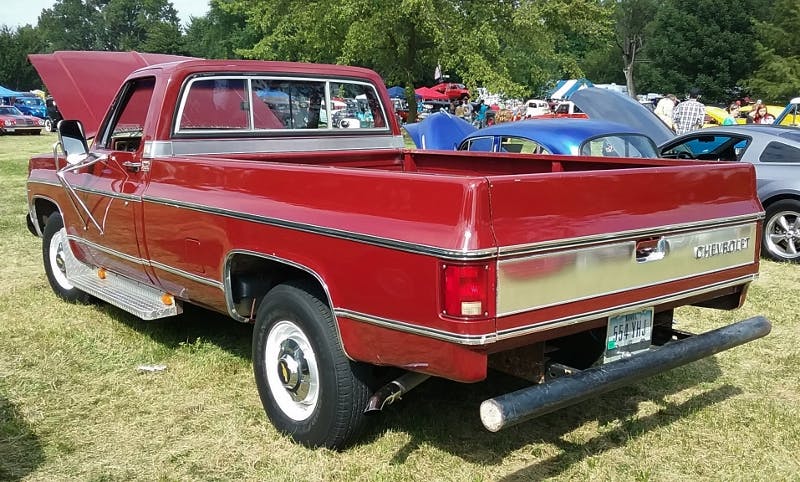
x: 620, y: 145
x: 33, y: 101
x: 8, y: 110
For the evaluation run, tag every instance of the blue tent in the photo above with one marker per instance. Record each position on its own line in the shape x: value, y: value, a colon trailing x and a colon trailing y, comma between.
x: 9, y: 93
x: 565, y: 88
x: 397, y: 92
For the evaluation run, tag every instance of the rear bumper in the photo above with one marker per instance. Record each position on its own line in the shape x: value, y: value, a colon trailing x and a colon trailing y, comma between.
x: 512, y: 408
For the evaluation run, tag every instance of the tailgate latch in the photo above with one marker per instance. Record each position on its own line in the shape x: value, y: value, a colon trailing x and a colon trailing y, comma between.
x: 651, y: 249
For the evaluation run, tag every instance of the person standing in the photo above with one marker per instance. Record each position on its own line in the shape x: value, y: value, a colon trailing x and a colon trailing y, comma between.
x: 689, y: 114
x: 761, y: 116
x: 467, y: 111
x: 480, y: 116
x: 733, y: 113
x: 664, y: 109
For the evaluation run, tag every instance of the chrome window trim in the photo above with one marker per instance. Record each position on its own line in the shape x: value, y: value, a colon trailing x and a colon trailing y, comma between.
x: 262, y: 145
x: 248, y: 78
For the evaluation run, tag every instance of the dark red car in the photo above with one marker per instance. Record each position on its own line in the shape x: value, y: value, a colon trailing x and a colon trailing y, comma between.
x: 13, y: 121
x: 452, y: 90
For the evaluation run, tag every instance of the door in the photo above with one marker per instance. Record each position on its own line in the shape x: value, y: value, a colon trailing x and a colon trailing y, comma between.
x: 108, y: 228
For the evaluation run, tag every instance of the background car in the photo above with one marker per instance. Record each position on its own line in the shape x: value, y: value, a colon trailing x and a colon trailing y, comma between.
x: 53, y: 115
x: 12, y: 121
x: 452, y: 90
x: 31, y: 105
x: 773, y: 150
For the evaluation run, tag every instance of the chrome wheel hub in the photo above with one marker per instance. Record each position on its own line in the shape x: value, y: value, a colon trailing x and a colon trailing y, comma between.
x: 783, y: 234
x: 292, y: 371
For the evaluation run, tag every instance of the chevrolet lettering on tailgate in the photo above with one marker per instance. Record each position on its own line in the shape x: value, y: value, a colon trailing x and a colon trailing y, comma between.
x: 725, y: 247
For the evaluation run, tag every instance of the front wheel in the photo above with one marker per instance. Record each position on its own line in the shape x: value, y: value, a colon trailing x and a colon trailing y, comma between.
x: 308, y: 387
x: 782, y: 231
x: 54, y: 250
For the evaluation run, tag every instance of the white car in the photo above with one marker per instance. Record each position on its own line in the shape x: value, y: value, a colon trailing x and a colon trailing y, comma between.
x: 536, y: 107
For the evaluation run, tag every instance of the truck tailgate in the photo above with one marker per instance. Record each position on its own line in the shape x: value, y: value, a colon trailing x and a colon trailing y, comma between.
x: 617, y: 237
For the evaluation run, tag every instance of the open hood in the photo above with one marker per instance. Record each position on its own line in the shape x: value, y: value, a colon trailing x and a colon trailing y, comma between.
x: 84, y: 83
x: 439, y: 130
x: 605, y: 104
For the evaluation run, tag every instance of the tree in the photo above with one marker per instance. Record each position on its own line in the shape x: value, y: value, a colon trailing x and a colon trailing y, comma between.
x: 631, y: 20
x: 15, y: 71
x: 145, y: 25
x: 221, y: 33
x: 778, y: 53
x: 707, y: 44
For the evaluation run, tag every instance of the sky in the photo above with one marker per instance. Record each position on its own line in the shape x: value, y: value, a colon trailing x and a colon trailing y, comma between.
x: 16, y: 13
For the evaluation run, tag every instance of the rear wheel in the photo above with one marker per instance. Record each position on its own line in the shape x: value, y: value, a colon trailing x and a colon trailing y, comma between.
x: 308, y: 387
x: 55, y: 247
x: 781, y: 241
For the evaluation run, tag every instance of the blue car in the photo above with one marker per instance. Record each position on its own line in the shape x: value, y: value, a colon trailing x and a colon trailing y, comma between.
x: 538, y: 136
x: 31, y: 105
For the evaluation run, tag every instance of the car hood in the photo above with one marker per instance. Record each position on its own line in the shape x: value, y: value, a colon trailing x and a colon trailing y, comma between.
x: 605, y: 104
x: 84, y: 83
x: 439, y: 131
x: 445, y: 131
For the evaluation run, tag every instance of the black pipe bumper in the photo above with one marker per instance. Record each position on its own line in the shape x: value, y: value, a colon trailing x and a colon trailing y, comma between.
x: 515, y: 407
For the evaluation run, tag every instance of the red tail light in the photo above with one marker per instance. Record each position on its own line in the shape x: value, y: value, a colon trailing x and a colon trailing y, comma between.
x: 465, y: 290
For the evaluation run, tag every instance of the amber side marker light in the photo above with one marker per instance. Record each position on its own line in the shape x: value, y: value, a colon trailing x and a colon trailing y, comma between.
x: 465, y: 290
x: 101, y: 273
x: 167, y: 299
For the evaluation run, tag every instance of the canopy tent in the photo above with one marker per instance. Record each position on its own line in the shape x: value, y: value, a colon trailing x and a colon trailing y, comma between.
x: 429, y: 94
x: 10, y: 93
x: 565, y: 88
x: 397, y: 92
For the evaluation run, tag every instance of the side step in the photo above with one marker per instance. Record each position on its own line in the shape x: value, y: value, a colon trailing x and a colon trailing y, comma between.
x: 136, y: 298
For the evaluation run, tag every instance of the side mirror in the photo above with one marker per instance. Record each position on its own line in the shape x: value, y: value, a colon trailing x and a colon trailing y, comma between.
x: 73, y: 140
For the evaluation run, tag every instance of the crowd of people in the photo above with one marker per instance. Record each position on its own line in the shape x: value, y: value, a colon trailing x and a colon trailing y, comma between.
x: 689, y: 115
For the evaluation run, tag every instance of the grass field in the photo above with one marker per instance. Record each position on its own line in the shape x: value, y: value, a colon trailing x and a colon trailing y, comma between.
x: 73, y: 405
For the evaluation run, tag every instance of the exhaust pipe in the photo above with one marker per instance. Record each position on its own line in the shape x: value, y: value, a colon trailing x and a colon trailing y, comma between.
x: 392, y: 391
x: 515, y: 407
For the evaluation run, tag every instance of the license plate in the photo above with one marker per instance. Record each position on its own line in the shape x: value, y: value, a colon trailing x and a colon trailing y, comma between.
x: 628, y: 333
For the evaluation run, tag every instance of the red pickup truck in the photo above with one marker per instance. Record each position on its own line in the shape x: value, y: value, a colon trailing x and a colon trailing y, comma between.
x: 367, y: 267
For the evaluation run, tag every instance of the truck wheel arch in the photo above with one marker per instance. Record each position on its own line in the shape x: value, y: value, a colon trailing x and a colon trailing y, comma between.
x: 260, y: 272
x: 42, y: 207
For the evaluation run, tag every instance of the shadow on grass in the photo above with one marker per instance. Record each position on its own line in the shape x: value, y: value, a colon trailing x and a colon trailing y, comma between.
x: 20, y: 449
x: 194, y: 323
x: 445, y: 414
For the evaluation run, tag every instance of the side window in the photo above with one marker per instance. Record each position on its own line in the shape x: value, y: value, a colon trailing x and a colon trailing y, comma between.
x: 124, y: 132
x: 362, y: 107
x: 521, y: 145
x: 623, y: 145
x: 780, y: 152
x: 479, y: 144
x: 288, y: 104
x: 215, y: 104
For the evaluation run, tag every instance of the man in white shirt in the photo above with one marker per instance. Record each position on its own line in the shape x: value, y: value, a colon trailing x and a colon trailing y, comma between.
x: 664, y: 109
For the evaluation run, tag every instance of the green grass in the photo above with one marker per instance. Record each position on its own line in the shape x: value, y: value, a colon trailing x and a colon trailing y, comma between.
x: 73, y: 405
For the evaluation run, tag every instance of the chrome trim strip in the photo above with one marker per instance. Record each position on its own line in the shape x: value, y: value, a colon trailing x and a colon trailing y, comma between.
x: 109, y: 251
x: 532, y: 248
x: 44, y: 181
x: 485, y: 339
x: 593, y: 315
x: 32, y: 210
x: 257, y: 145
x: 560, y: 277
x: 101, y: 192
x: 461, y: 339
x: 443, y: 253
x: 89, y: 190
x: 155, y: 264
x: 185, y: 274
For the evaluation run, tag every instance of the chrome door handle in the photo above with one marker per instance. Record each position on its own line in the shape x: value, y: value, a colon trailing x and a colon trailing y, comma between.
x: 132, y: 166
